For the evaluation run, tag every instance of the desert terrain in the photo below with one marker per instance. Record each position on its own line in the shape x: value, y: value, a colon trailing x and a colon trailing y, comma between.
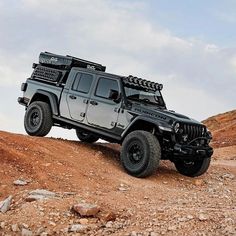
x: 49, y: 180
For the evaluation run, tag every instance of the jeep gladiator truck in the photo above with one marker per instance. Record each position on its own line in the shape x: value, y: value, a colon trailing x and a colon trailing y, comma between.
x: 77, y: 94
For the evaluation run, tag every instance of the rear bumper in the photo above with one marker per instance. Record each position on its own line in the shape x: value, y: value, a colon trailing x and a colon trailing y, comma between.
x: 22, y: 101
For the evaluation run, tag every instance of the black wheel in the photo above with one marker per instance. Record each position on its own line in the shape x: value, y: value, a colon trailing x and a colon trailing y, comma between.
x: 38, y: 119
x: 192, y: 168
x: 86, y: 136
x: 140, y: 153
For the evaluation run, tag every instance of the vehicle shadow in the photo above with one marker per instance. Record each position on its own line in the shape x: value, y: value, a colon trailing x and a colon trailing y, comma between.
x: 112, y: 153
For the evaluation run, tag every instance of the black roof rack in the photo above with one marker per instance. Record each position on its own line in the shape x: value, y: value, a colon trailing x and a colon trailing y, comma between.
x: 67, y: 62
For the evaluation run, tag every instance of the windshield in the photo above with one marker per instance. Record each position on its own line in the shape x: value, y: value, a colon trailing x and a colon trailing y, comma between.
x: 144, y: 95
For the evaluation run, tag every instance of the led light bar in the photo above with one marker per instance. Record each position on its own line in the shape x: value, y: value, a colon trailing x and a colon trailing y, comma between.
x: 132, y: 80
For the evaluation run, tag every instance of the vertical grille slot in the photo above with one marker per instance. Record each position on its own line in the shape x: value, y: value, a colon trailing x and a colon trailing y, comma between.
x: 193, y: 131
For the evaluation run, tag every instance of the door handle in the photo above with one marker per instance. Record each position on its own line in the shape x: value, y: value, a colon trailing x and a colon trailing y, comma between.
x: 72, y: 97
x: 94, y: 103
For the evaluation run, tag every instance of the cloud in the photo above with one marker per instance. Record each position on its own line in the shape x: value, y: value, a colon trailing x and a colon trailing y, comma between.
x: 118, y: 34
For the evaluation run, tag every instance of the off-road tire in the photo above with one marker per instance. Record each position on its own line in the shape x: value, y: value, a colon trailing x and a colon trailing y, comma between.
x: 38, y: 119
x: 86, y: 137
x: 192, y: 168
x: 140, y: 153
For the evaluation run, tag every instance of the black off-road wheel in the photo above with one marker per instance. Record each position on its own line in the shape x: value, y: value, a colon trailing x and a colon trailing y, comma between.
x: 192, y: 168
x: 38, y: 119
x: 86, y: 136
x: 140, y: 153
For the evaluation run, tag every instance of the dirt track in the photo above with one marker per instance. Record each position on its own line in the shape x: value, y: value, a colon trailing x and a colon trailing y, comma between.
x: 166, y: 203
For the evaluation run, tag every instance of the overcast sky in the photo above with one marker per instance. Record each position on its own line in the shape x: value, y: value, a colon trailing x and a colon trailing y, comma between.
x: 187, y: 45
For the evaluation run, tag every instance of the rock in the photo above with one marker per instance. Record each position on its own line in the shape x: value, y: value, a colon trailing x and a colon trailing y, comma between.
x: 41, y: 231
x: 98, y: 154
x: 83, y: 221
x: 228, y: 176
x: 2, y: 225
x: 44, y: 234
x: 182, y: 219
x: 77, y: 228
x: 32, y: 198
x: 133, y: 233
x: 52, y: 223
x: 171, y: 228
x: 20, y: 182
x: 23, y: 225
x: 109, y: 216
x: 198, y: 182
x: 40, y: 194
x: 5, y: 204
x: 109, y: 224
x: 43, y: 192
x: 202, y: 217
x: 190, y: 217
x: 229, y: 230
x: 153, y: 234
x: 69, y: 193
x: 85, y: 209
x: 122, y: 189
x: 47, y: 164
x: 15, y: 228
x: 26, y: 232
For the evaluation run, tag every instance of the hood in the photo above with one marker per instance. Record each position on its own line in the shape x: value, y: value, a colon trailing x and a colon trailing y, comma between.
x: 162, y: 115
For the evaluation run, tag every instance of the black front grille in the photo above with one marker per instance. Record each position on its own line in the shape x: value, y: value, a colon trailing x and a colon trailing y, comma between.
x: 193, y: 131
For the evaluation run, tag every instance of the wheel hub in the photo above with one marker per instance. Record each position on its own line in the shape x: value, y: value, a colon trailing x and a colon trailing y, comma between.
x: 34, y: 119
x: 135, y: 154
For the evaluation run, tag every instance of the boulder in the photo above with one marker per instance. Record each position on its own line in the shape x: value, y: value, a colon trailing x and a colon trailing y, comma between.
x: 85, y: 209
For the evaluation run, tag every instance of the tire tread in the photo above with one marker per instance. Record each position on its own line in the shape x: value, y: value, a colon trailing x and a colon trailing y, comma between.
x: 47, y: 121
x: 154, y: 148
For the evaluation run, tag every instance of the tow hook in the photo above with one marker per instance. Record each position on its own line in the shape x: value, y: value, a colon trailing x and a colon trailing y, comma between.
x: 201, y: 152
x: 179, y: 149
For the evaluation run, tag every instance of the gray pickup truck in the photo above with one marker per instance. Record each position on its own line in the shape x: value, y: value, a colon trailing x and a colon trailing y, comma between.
x: 77, y: 94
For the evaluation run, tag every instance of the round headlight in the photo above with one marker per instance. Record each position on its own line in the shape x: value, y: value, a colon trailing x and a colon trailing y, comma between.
x: 203, y: 131
x: 176, y: 127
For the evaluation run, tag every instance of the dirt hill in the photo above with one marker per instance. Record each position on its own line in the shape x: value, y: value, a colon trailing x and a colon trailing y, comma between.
x: 166, y: 203
x: 223, y: 128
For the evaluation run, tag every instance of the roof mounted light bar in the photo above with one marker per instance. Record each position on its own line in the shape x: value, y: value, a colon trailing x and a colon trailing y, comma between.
x: 132, y: 80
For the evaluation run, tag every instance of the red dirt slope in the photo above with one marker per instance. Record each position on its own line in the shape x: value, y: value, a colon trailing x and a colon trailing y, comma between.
x: 223, y: 128
x: 166, y: 203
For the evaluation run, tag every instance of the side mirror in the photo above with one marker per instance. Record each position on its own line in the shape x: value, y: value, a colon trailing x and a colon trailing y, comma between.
x: 114, y: 95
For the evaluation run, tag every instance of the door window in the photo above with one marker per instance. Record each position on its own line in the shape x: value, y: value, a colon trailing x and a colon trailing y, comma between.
x: 82, y: 83
x: 104, y: 86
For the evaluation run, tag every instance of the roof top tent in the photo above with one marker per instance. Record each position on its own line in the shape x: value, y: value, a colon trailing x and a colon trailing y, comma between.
x: 67, y: 62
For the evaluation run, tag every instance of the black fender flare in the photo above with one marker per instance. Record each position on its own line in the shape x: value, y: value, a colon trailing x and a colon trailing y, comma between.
x: 52, y: 99
x: 155, y: 123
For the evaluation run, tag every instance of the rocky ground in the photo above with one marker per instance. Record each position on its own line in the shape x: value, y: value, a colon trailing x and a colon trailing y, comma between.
x: 57, y: 187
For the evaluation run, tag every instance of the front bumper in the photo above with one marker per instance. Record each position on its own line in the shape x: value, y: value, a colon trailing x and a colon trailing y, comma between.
x: 190, y: 152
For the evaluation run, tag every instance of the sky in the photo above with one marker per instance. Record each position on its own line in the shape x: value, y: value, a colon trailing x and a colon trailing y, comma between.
x: 188, y: 46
